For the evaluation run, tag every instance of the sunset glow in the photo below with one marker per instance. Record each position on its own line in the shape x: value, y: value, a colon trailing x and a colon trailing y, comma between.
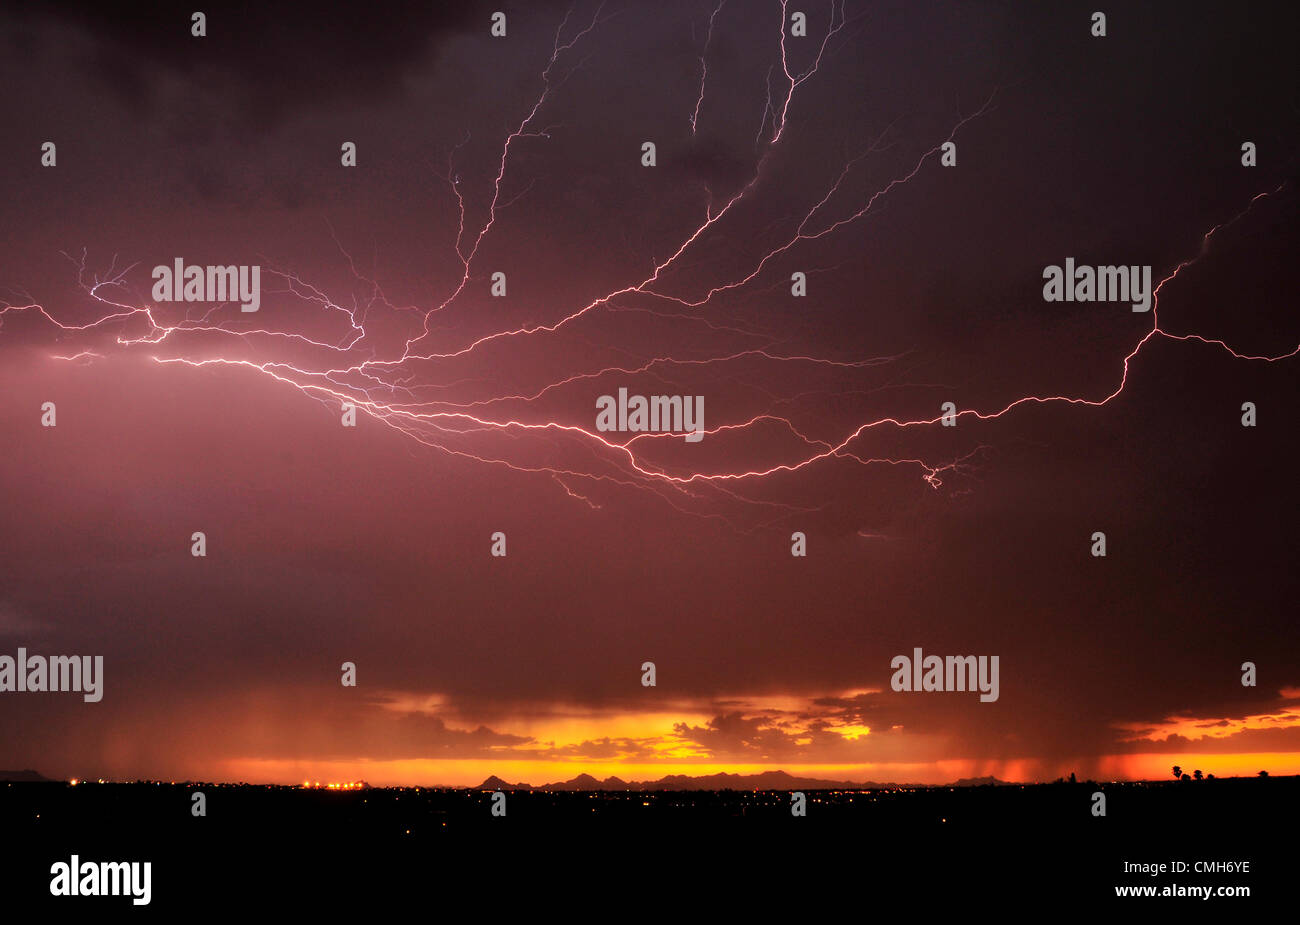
x: 644, y: 390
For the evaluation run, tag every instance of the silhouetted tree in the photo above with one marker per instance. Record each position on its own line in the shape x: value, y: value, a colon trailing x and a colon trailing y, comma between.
x: 1197, y: 774
x: 1072, y: 780
x: 1263, y: 774
x: 1186, y: 777
x: 1178, y: 773
x: 1209, y: 777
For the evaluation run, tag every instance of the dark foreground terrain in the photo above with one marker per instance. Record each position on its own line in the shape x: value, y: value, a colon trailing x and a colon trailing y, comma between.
x: 664, y: 855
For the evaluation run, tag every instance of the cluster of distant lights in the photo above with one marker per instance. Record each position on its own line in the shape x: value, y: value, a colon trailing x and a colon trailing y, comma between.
x: 362, y: 785
x: 317, y: 785
x: 73, y: 782
x: 306, y: 785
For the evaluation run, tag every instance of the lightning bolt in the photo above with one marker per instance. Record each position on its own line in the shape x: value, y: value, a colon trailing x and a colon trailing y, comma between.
x: 438, y: 398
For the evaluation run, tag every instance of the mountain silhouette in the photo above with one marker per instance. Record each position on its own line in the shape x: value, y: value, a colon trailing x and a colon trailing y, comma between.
x: 765, y: 780
x: 978, y: 782
x: 496, y: 783
x: 29, y: 776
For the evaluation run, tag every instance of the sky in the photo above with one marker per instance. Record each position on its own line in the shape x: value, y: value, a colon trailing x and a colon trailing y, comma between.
x: 476, y: 414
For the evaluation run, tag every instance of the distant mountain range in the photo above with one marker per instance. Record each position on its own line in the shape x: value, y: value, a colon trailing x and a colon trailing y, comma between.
x: 767, y: 780
x: 29, y: 776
